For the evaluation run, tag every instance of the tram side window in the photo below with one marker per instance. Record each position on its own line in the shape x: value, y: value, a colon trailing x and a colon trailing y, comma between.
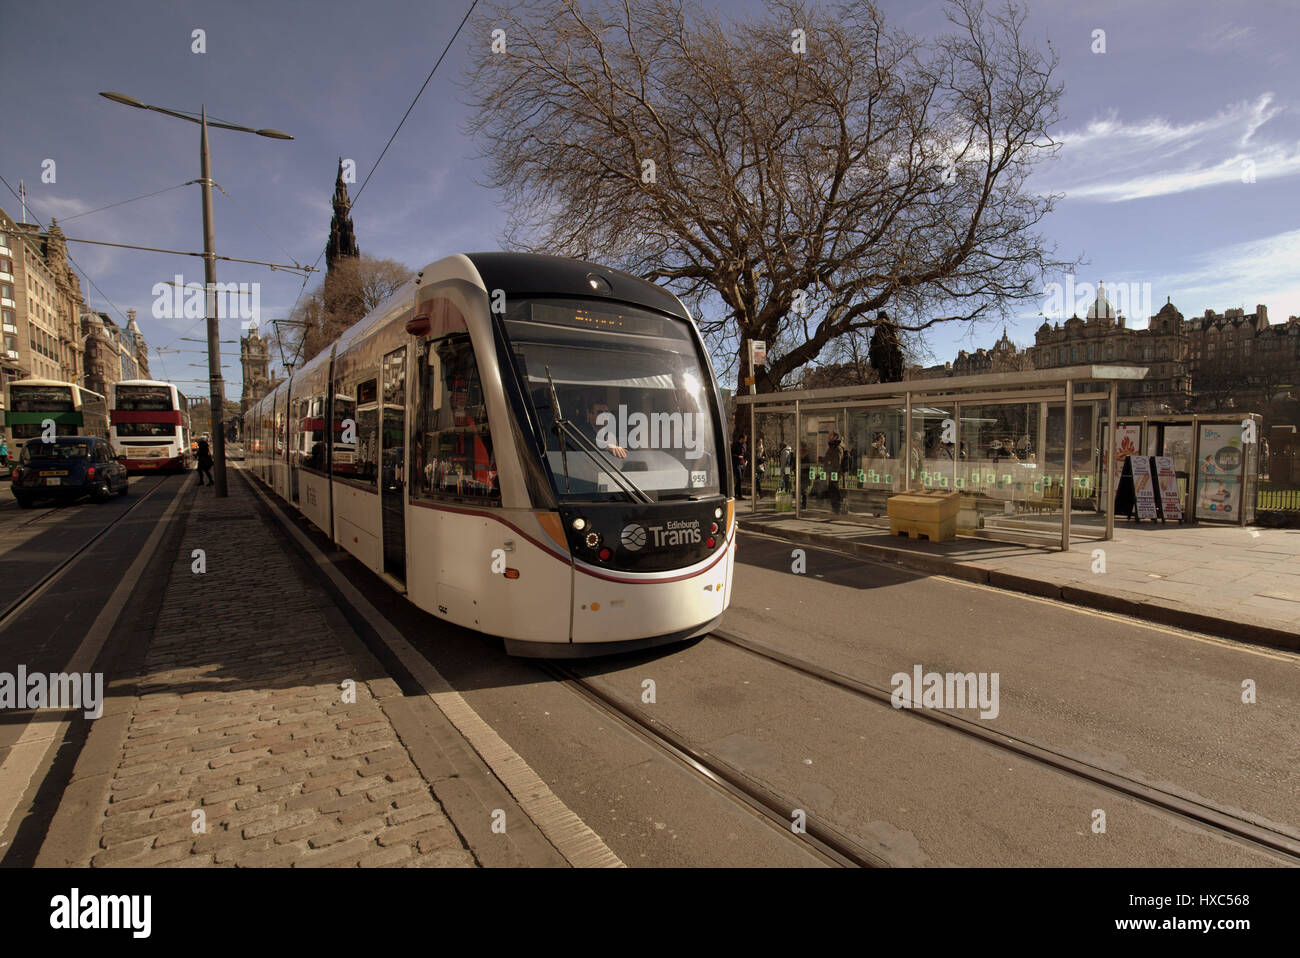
x: 356, y: 431
x: 314, y: 434
x: 453, y: 452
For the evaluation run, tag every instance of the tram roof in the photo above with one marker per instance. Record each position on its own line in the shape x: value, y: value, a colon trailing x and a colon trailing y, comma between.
x: 538, y: 274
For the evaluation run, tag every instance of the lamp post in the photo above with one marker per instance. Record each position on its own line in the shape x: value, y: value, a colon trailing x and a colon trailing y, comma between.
x: 217, y: 394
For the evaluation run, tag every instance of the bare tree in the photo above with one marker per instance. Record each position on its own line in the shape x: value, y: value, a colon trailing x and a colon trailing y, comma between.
x: 803, y: 169
x: 352, y: 289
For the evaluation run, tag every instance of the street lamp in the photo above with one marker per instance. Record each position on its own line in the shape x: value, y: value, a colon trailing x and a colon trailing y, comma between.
x: 216, y: 383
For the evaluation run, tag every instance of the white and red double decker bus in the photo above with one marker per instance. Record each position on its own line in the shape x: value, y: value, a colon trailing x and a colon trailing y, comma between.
x: 149, y: 425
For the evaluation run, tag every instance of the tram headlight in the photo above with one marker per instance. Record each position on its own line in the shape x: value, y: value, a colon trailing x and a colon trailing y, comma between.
x: 579, y: 523
x: 717, y: 513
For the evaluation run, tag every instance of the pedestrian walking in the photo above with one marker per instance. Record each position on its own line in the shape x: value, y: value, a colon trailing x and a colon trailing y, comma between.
x: 4, y: 452
x: 205, y: 463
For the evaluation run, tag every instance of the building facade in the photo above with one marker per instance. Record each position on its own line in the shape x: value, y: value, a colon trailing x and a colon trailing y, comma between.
x: 113, y: 354
x: 1105, y: 337
x: 40, y: 304
x: 255, y: 360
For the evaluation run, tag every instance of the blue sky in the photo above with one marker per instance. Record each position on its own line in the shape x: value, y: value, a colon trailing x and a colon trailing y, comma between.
x: 1159, y: 132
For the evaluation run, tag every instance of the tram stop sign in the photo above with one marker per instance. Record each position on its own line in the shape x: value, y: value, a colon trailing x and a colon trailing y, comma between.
x: 757, y: 352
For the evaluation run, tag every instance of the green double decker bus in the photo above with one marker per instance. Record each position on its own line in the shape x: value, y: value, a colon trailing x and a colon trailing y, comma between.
x: 31, y: 405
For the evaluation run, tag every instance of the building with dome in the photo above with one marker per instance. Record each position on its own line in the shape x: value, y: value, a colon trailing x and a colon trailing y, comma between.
x: 1104, y: 337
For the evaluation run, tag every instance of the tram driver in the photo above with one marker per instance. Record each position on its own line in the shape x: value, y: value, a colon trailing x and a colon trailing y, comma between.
x: 591, y: 426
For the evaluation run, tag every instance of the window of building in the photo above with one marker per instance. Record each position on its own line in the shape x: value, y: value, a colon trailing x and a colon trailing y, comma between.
x: 6, y: 264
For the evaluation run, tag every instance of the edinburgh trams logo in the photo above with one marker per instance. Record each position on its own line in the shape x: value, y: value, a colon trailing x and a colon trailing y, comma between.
x: 632, y: 537
x: 675, y: 532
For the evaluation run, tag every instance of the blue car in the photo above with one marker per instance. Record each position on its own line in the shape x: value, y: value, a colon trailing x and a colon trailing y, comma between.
x: 68, y: 467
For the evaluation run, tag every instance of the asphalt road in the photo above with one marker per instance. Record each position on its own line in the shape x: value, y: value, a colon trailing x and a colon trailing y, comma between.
x: 44, y: 634
x: 1153, y: 703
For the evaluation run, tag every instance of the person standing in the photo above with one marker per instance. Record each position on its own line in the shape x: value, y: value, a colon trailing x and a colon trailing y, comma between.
x: 4, y: 452
x: 760, y: 465
x: 834, y: 464
x: 739, y: 454
x: 205, y: 463
x: 787, y: 467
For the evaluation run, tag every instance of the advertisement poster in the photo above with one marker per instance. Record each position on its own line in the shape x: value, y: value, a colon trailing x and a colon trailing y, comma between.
x: 1143, y: 488
x: 1218, y: 474
x: 1167, y: 480
x: 1126, y: 444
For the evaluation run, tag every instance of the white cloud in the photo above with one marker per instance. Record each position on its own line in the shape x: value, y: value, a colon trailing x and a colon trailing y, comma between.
x: 1110, y: 160
x: 1241, y: 274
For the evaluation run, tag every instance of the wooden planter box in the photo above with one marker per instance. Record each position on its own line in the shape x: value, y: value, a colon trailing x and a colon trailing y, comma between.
x: 932, y: 515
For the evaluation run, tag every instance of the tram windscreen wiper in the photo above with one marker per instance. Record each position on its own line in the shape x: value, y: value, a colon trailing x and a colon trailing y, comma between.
x: 560, y: 422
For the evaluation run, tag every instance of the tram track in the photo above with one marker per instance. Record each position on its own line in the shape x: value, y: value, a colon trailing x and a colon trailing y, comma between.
x: 32, y: 593
x: 1278, y: 839
x: 825, y: 839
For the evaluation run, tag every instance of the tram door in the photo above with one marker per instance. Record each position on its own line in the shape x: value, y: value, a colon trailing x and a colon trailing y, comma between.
x: 393, y: 463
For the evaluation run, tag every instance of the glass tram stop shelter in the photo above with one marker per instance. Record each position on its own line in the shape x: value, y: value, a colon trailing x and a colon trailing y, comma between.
x: 1000, y: 442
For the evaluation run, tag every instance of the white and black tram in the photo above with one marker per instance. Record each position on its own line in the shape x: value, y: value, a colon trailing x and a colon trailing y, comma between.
x: 529, y: 446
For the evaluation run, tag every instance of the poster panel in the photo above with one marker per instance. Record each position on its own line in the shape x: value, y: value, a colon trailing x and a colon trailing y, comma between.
x: 1126, y: 444
x: 1219, y: 473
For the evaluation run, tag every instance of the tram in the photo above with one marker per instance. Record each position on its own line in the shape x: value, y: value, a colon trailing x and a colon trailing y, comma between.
x: 33, y: 406
x: 150, y: 425
x: 525, y: 445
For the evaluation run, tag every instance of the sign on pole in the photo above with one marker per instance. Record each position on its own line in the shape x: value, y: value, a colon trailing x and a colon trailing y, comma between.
x: 758, y: 352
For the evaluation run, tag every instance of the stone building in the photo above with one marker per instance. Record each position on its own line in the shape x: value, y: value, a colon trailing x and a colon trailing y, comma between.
x: 40, y: 305
x: 1105, y: 338
x: 1242, y: 361
x: 113, y: 354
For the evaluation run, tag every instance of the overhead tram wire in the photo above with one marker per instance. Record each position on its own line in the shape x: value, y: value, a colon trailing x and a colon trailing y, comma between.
x: 68, y: 219
x: 382, y: 152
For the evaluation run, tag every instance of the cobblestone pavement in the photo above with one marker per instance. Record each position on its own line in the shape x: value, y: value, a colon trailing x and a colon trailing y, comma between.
x: 242, y: 747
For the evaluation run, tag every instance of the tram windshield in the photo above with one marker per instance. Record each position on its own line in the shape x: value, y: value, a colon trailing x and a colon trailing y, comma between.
x: 634, y: 393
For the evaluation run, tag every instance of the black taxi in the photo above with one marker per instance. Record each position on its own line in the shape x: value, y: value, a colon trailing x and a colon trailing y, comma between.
x: 68, y: 467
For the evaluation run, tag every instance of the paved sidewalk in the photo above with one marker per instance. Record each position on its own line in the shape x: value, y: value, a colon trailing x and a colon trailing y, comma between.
x: 1242, y: 583
x: 237, y: 744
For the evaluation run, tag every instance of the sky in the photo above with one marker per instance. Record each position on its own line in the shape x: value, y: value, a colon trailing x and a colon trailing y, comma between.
x: 1180, y: 158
